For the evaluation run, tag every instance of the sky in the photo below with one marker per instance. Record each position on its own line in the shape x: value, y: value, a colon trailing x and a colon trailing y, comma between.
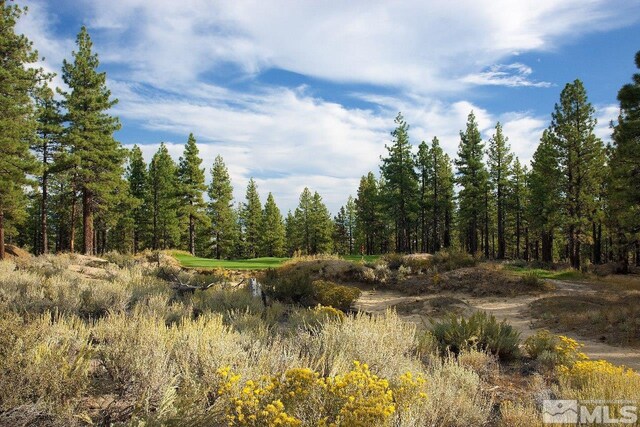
x: 304, y: 93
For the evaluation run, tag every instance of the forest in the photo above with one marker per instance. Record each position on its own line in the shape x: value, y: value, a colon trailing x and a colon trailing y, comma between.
x: 67, y: 184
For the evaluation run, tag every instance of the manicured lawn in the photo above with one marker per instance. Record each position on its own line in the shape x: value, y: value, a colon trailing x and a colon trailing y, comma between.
x: 234, y: 264
x: 248, y: 264
x: 548, y: 274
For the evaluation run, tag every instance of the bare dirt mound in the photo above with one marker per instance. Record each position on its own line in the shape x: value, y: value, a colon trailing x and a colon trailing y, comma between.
x: 515, y: 310
x: 15, y: 252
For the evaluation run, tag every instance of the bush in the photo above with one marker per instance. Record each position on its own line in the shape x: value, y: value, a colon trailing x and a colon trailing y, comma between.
x: 447, y: 260
x: 290, y: 287
x: 393, y: 260
x: 333, y: 295
x: 296, y: 287
x: 598, y: 380
x: 552, y: 350
x: 480, y: 332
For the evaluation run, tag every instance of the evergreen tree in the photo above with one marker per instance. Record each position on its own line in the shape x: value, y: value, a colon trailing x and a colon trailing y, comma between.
x: 442, y: 194
x: 191, y: 187
x: 499, y: 163
x: 368, y: 213
x: 272, y: 235
x: 624, y: 191
x: 581, y: 160
x: 48, y: 149
x: 223, y: 222
x: 163, y: 200
x: 252, y: 220
x: 471, y: 177
x: 291, y: 232
x: 401, y: 184
x: 321, y: 226
x: 17, y: 119
x: 340, y: 232
x: 350, y: 223
x: 544, y: 196
x: 96, y: 154
x: 138, y: 178
x: 302, y: 222
x: 517, y: 205
x: 426, y: 194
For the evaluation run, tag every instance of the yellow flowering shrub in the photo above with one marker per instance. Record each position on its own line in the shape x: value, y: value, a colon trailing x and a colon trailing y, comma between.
x: 357, y: 398
x: 554, y: 349
x: 585, y: 372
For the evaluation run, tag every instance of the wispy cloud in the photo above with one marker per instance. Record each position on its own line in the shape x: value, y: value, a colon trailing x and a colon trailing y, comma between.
x: 511, y: 75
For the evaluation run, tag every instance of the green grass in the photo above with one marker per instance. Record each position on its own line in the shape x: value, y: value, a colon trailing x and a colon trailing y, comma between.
x: 187, y: 260
x: 548, y: 274
x: 233, y: 264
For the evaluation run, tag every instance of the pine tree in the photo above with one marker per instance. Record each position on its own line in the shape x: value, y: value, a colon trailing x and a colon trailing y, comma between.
x: 17, y: 120
x: 624, y: 191
x: 518, y: 206
x: 138, y: 178
x: 163, y: 200
x: 302, y: 222
x: 321, y: 226
x: 426, y: 194
x: 401, y: 184
x: 350, y: 219
x: 272, y: 235
x: 340, y: 232
x: 96, y: 154
x: 581, y: 158
x: 544, y: 196
x: 442, y: 205
x: 471, y: 177
x: 499, y: 163
x: 252, y: 219
x: 48, y: 148
x: 220, y: 208
x: 191, y: 187
x: 368, y: 213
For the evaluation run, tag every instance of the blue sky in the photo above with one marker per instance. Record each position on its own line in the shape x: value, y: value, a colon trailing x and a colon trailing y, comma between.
x: 304, y: 93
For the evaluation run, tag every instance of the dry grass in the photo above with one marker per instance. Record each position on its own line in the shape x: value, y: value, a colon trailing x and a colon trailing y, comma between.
x: 123, y: 349
x: 607, y: 317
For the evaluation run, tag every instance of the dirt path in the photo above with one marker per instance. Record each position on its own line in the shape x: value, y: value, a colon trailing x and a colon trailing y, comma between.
x: 513, y: 309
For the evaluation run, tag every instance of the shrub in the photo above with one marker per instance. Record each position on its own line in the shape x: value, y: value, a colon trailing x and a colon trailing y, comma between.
x: 552, y: 350
x: 393, y: 260
x: 447, y: 260
x: 598, y: 380
x: 333, y: 295
x: 290, y: 287
x: 480, y: 331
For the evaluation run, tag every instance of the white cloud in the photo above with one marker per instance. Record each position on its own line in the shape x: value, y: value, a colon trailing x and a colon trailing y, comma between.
x: 428, y: 46
x: 511, y: 75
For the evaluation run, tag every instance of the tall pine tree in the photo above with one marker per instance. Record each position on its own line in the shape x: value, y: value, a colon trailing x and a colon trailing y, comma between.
x: 272, y: 232
x: 401, y: 184
x: 138, y: 178
x: 471, y: 176
x: 624, y: 192
x: 17, y: 121
x: 220, y: 209
x: 581, y: 160
x: 252, y: 220
x: 163, y: 200
x: 499, y: 163
x: 191, y: 187
x: 98, y: 157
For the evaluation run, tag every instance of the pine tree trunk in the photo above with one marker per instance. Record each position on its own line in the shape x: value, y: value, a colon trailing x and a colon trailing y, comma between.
x: 72, y: 226
x: 192, y: 234
x: 501, y: 239
x: 44, y: 248
x: 87, y: 222
x: 2, y: 254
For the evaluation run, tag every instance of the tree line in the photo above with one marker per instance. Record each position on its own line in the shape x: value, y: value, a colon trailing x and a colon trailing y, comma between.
x: 66, y: 184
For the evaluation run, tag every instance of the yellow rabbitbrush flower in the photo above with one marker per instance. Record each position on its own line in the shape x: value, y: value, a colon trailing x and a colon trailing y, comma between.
x: 584, y: 372
x: 359, y: 398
